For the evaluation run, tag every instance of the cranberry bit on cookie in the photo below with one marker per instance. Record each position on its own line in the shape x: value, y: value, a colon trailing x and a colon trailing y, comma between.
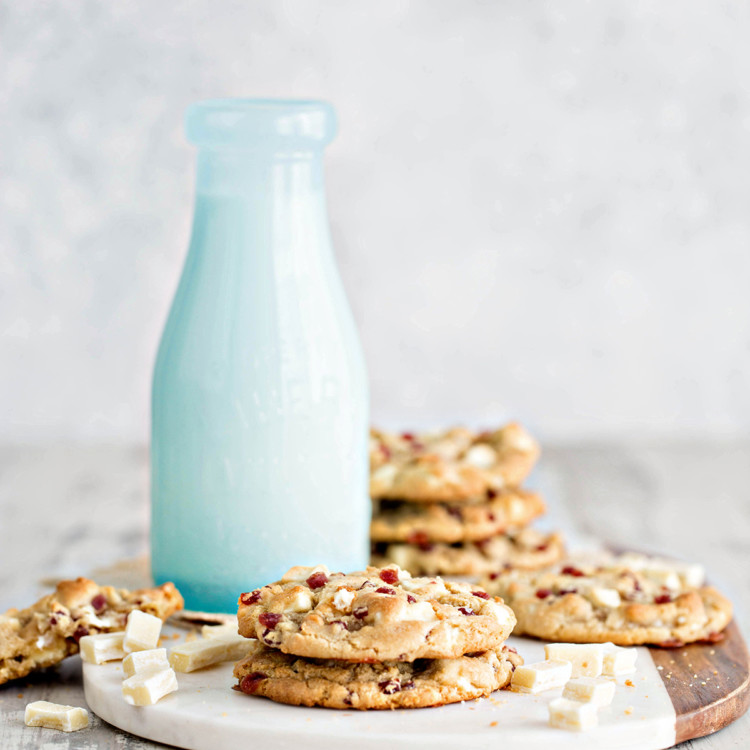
x: 389, y: 687
x: 80, y: 631
x: 269, y: 620
x: 99, y: 602
x: 569, y: 570
x: 250, y: 597
x: 317, y: 580
x: 543, y: 593
x: 360, y: 612
x: 389, y: 575
x: 385, y: 590
x: 466, y: 611
x: 410, y: 599
x: 481, y: 594
x: 662, y: 599
x: 249, y: 683
x: 562, y: 592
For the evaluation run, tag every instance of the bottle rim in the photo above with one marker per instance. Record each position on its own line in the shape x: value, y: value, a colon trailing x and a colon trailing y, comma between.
x: 248, y: 123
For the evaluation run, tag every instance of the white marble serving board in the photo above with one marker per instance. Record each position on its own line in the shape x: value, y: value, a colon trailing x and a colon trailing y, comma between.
x: 206, y: 714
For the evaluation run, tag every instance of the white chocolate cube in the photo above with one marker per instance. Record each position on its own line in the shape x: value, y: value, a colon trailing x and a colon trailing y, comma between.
x: 567, y: 714
x: 55, y: 716
x: 139, y: 662
x: 142, y: 631
x: 597, y: 690
x: 692, y: 575
x: 587, y: 658
x: 149, y: 687
x: 604, y: 597
x: 618, y: 660
x: 544, y: 675
x: 219, y: 631
x: 664, y: 577
x: 187, y: 657
x: 97, y: 649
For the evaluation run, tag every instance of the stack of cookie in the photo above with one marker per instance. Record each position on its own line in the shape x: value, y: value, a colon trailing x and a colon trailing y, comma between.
x: 372, y: 640
x: 450, y: 503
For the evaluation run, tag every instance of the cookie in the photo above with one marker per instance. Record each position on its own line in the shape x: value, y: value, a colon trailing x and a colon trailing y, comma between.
x: 48, y: 631
x: 373, y: 615
x: 609, y: 601
x: 422, y: 523
x: 451, y: 466
x: 338, y: 684
x: 527, y: 548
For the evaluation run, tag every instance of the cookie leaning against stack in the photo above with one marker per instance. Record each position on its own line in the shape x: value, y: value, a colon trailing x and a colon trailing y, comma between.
x: 372, y: 640
x: 449, y: 502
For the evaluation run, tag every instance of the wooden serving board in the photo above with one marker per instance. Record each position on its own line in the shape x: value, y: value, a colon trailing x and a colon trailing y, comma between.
x: 654, y: 708
x: 708, y: 684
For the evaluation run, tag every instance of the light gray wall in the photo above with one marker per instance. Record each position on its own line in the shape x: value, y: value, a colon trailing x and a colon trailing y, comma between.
x: 541, y: 209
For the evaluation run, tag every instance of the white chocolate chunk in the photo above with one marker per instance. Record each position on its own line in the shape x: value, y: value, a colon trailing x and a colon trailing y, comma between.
x: 419, y: 612
x: 145, y: 661
x: 481, y: 456
x: 55, y: 716
x: 219, y: 631
x: 597, y: 690
x: 142, y: 631
x: 567, y: 714
x: 604, y: 597
x: 96, y: 649
x: 587, y: 658
x: 187, y: 657
x: 301, y: 602
x: 544, y: 675
x: 148, y: 688
x: 693, y: 575
x: 343, y: 599
x: 618, y: 660
x: 664, y: 577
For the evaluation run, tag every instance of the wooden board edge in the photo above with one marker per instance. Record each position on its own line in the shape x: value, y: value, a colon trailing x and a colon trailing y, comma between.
x: 729, y: 659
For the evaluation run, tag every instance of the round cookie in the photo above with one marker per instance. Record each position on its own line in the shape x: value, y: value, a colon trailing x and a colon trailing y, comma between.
x: 337, y: 684
x: 420, y: 523
x: 451, y: 466
x: 614, y: 600
x: 372, y: 615
x: 527, y: 548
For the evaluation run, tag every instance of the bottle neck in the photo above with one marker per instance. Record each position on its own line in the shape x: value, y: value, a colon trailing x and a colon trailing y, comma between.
x: 254, y: 175
x: 273, y: 203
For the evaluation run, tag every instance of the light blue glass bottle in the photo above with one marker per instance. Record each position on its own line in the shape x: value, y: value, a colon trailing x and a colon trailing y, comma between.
x: 260, y: 398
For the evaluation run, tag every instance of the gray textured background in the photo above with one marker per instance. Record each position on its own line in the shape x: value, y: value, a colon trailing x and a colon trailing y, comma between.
x: 541, y: 209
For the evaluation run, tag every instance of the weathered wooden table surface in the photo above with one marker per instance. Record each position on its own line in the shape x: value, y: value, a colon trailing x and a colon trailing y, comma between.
x: 68, y: 510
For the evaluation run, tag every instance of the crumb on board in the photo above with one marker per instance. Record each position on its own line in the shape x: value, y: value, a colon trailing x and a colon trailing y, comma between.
x: 493, y: 723
x: 629, y: 683
x: 224, y: 714
x: 191, y: 636
x: 20, y: 696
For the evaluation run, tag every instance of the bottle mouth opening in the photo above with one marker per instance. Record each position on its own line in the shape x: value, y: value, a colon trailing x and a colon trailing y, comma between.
x: 251, y: 123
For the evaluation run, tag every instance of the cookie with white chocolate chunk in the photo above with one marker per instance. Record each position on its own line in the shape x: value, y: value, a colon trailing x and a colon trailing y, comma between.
x: 525, y: 548
x: 383, y: 685
x: 627, y: 600
x: 449, y: 465
x: 45, y: 633
x: 422, y: 523
x: 379, y: 614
